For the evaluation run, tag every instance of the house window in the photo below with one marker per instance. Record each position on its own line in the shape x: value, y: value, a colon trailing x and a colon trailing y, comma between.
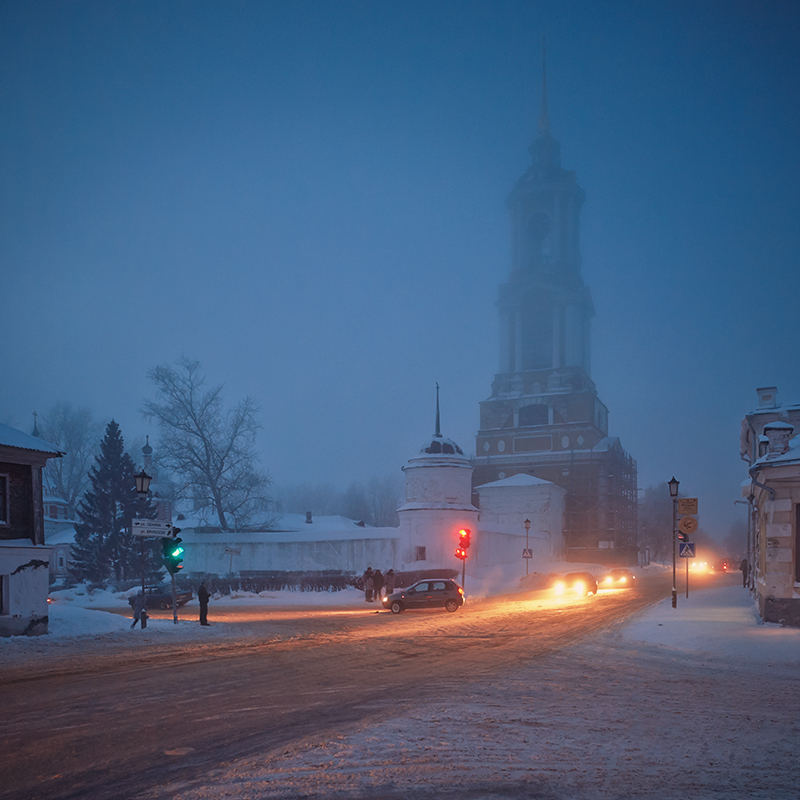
x: 61, y: 562
x: 419, y: 554
x: 3, y: 499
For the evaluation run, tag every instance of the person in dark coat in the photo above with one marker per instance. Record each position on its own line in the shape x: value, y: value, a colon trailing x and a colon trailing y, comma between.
x: 377, y: 578
x: 138, y: 608
x: 369, y: 585
x: 745, y: 568
x: 202, y: 596
x: 389, y: 582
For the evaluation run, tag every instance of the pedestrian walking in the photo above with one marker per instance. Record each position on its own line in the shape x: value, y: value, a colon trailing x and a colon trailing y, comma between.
x: 138, y: 609
x: 745, y: 568
x: 377, y: 578
x: 388, y: 582
x: 202, y: 596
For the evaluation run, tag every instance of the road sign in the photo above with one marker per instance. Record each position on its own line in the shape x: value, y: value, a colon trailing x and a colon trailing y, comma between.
x: 233, y: 551
x: 527, y: 552
x: 687, y: 505
x: 686, y: 550
x: 687, y: 525
x: 151, y: 527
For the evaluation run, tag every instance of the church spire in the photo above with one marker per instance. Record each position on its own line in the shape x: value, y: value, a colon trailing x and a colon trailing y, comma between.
x: 438, y: 432
x: 546, y: 151
x: 544, y: 118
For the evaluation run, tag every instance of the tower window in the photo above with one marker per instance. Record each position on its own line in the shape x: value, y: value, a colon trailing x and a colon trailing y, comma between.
x: 419, y: 554
x: 536, y: 414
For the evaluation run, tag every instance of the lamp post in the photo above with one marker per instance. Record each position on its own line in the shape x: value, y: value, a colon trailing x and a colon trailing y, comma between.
x: 142, y: 484
x: 527, y: 525
x: 673, y: 492
x: 142, y: 488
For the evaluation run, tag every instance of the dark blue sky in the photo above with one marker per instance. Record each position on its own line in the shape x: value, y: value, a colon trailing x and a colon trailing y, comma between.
x: 309, y: 198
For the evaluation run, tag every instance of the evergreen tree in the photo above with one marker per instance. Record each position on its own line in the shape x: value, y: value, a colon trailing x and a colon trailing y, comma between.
x: 104, y: 546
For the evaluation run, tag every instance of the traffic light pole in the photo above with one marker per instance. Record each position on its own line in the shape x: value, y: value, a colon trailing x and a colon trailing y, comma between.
x: 174, y: 602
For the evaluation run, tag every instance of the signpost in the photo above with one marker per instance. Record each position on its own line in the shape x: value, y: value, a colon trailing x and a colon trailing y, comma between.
x: 687, y: 505
x: 687, y: 525
x: 686, y: 550
x: 156, y: 529
x: 151, y: 528
x: 233, y: 551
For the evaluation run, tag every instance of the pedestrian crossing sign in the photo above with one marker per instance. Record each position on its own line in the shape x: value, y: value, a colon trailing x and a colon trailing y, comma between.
x: 686, y: 550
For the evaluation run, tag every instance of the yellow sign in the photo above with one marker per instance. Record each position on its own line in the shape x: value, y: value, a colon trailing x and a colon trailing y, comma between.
x: 687, y: 505
x: 687, y: 525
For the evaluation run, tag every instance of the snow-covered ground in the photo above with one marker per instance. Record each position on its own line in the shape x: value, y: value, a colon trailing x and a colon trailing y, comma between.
x: 696, y: 702
x: 701, y: 701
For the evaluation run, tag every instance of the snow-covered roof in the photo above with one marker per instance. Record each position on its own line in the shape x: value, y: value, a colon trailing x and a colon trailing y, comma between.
x: 11, y: 437
x: 789, y: 457
x: 286, y: 523
x: 66, y: 536
x: 515, y: 480
x: 350, y: 533
x: 779, y: 425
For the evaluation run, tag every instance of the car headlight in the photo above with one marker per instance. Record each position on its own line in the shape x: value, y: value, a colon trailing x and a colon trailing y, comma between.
x: 580, y: 587
x: 560, y: 587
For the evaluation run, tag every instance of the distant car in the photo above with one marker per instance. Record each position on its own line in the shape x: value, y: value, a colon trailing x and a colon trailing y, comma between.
x: 618, y: 579
x: 160, y: 597
x: 430, y: 593
x: 580, y: 583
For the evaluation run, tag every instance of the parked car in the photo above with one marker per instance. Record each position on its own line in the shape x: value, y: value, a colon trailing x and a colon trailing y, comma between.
x: 430, y: 593
x: 161, y: 597
x: 618, y: 579
x: 580, y: 583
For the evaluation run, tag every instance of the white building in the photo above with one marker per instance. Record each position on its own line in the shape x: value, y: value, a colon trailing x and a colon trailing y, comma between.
x: 437, y: 505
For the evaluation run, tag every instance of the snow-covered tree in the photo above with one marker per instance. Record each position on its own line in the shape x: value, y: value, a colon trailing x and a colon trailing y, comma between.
x: 209, y: 450
x: 104, y: 546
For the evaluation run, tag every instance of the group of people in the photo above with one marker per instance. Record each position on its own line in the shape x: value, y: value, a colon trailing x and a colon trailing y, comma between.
x: 377, y: 585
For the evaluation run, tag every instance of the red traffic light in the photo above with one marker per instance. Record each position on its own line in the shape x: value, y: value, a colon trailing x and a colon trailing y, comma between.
x: 464, y: 536
x: 461, y: 553
x: 683, y: 537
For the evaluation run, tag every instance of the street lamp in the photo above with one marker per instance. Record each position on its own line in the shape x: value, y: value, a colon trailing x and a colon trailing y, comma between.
x: 142, y: 484
x: 673, y: 492
x: 527, y: 525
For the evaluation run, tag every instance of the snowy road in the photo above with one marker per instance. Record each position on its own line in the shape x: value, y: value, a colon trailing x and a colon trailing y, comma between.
x: 112, y: 721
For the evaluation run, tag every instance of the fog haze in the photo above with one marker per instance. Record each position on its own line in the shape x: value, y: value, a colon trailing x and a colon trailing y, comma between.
x: 309, y: 199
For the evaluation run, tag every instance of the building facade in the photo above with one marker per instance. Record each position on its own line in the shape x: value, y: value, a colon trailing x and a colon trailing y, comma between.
x: 544, y: 417
x: 24, y: 557
x: 769, y: 445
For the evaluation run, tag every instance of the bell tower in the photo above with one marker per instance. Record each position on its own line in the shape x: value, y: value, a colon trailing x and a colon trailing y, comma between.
x: 544, y: 417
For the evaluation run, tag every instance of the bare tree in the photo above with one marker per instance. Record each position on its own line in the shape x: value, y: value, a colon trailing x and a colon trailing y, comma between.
x: 375, y: 502
x: 210, y: 451
x: 655, y: 521
x: 75, y: 432
x: 383, y: 499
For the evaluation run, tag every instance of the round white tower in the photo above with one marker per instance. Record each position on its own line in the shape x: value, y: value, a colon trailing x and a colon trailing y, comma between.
x: 438, y: 504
